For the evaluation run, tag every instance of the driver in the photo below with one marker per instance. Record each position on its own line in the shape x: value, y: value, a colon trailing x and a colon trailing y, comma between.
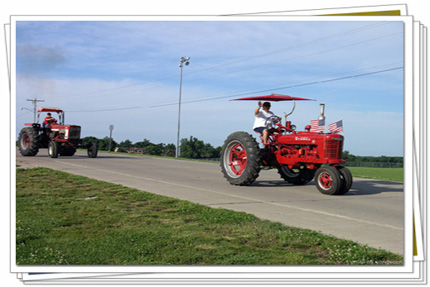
x: 49, y: 120
x: 262, y: 118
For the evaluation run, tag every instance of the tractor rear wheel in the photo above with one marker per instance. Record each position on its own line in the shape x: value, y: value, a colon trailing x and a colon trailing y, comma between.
x: 327, y: 180
x: 296, y: 176
x: 28, y: 142
x: 92, y: 150
x: 240, y: 159
x: 346, y: 178
x: 53, y: 149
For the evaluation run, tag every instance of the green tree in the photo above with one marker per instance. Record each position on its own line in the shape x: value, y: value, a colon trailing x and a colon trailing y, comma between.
x: 154, y: 149
x: 169, y: 149
x: 89, y: 140
x: 126, y: 143
x: 195, y: 148
x: 103, y: 144
x: 143, y: 143
x: 346, y: 155
x: 192, y: 148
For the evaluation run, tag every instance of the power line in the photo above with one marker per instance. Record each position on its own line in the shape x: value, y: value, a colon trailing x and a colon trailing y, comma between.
x: 251, y: 92
x: 23, y: 114
x: 316, y: 41
x: 295, y: 58
x: 278, y: 88
x: 312, y: 42
x: 256, y: 66
x: 106, y: 110
x: 360, y: 75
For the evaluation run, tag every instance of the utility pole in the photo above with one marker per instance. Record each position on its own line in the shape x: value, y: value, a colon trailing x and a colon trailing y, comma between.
x: 181, y: 64
x: 110, y: 137
x: 35, y: 107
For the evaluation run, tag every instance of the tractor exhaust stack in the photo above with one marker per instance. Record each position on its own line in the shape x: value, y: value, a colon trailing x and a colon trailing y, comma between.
x: 322, y: 117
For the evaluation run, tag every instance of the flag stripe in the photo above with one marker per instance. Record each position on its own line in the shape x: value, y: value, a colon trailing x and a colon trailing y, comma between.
x: 318, y: 126
x: 336, y: 127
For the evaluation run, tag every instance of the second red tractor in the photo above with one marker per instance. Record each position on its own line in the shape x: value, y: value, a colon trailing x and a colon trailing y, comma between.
x: 60, y: 139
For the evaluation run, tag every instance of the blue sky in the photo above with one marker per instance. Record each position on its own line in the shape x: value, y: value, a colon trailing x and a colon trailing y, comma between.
x: 126, y: 74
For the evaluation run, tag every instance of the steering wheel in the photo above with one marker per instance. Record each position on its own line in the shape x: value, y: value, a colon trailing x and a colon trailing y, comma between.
x: 270, y: 121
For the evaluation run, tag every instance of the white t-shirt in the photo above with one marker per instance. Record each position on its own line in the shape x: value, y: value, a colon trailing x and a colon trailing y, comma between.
x: 261, y: 118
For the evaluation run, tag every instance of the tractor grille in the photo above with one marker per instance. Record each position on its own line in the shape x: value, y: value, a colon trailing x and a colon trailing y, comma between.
x: 75, y: 132
x: 333, y: 148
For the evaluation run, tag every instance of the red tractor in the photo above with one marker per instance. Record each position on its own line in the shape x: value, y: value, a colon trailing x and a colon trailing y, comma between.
x: 60, y: 139
x: 299, y: 156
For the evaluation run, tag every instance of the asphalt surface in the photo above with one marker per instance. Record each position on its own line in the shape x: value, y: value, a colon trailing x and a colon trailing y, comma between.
x: 370, y: 213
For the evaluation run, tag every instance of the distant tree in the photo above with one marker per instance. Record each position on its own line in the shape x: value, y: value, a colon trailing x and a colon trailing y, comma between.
x: 346, y: 155
x: 192, y: 148
x: 169, y: 149
x: 143, y: 143
x: 103, y: 144
x: 210, y: 152
x: 126, y: 143
x: 89, y: 140
x: 218, y: 151
x: 195, y: 148
x: 154, y: 149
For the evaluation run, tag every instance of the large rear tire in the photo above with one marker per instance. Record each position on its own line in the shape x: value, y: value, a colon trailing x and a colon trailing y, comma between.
x: 240, y: 159
x: 327, y: 180
x: 28, y: 142
x: 296, y: 176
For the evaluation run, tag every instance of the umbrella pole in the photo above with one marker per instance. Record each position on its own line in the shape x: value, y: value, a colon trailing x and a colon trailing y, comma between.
x: 286, y: 115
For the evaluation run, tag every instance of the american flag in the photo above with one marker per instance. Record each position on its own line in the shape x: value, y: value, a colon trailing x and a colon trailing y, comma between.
x: 336, y: 127
x: 318, y: 126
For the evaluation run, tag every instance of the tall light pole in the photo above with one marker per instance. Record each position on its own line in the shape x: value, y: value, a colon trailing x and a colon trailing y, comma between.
x: 181, y: 65
x: 110, y: 136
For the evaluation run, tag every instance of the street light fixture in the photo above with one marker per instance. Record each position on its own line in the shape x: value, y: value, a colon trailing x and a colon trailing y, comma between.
x: 184, y: 60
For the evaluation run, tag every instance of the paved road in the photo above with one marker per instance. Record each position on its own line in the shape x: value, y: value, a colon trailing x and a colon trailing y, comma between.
x: 370, y: 213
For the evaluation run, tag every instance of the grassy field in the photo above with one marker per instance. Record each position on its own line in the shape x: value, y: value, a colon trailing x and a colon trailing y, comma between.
x: 64, y: 219
x: 392, y: 174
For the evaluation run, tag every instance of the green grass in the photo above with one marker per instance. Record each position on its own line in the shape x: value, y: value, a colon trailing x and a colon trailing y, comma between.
x: 64, y: 219
x: 392, y: 174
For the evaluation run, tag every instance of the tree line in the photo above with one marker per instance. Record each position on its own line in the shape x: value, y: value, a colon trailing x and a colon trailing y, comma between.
x: 195, y: 148
x: 350, y: 158
x: 190, y: 148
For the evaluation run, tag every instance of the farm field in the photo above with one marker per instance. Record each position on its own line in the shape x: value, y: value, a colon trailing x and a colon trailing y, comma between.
x: 391, y: 174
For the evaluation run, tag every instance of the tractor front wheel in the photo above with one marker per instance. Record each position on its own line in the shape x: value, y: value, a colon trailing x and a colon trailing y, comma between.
x: 92, y: 150
x: 328, y: 181
x: 346, y: 178
x: 53, y: 149
x: 240, y: 159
